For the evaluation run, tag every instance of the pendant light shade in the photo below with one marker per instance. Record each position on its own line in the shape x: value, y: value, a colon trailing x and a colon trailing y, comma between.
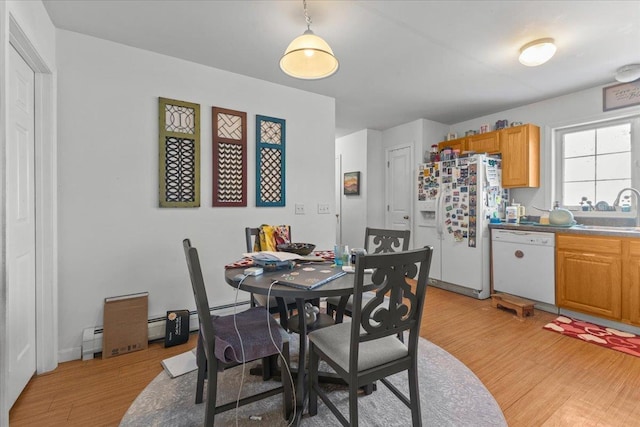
x: 537, y: 52
x: 308, y: 56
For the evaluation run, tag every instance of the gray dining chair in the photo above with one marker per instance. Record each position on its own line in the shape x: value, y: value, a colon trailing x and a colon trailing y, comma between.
x: 218, y: 341
x: 367, y: 349
x: 376, y: 240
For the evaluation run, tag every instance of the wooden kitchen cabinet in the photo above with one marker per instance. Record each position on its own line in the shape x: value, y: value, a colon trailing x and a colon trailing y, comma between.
x: 520, y: 149
x: 488, y: 142
x: 631, y: 282
x: 589, y: 274
x: 454, y: 144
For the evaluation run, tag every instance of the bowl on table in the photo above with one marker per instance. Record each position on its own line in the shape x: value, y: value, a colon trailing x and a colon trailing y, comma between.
x: 297, y: 248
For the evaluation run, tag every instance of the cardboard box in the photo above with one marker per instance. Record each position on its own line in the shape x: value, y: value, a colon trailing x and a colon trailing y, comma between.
x: 125, y: 324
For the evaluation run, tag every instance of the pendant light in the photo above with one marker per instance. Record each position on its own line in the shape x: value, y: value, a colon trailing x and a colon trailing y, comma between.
x: 537, y: 52
x: 308, y: 56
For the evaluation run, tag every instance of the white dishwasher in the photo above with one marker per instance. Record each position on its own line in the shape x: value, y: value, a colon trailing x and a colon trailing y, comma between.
x: 524, y: 264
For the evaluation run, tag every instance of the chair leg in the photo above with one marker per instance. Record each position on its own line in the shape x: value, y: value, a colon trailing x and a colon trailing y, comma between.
x: 314, y: 360
x: 414, y: 395
x: 212, y: 392
x: 266, y: 368
x: 201, y: 362
x: 353, y: 405
x: 287, y: 395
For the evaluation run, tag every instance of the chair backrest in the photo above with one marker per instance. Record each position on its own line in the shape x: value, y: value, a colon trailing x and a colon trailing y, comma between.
x: 200, y: 295
x: 379, y: 240
x: 252, y: 237
x: 391, y: 270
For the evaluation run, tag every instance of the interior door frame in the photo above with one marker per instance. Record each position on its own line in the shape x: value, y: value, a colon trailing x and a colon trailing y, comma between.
x: 387, y: 198
x: 45, y: 201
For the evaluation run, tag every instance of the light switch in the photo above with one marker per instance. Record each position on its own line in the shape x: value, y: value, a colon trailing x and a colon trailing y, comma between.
x: 299, y: 208
x: 323, y: 208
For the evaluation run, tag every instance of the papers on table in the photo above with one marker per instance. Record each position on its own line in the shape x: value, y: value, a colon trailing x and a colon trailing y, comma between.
x: 273, y: 256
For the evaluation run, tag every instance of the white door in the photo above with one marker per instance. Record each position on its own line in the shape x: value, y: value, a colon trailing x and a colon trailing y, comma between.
x: 21, y: 249
x: 400, y: 182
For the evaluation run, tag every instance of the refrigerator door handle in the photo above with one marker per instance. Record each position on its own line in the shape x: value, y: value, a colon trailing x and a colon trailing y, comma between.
x: 439, y: 213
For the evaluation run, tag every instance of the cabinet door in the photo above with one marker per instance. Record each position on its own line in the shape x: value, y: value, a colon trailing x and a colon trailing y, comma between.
x: 454, y: 144
x: 484, y: 143
x: 520, y: 148
x: 589, y: 283
x: 632, y: 277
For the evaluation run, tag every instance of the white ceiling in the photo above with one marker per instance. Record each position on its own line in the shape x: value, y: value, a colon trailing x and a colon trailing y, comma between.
x: 447, y: 61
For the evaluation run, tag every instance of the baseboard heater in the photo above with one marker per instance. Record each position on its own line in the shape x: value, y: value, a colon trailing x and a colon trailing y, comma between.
x: 92, y: 337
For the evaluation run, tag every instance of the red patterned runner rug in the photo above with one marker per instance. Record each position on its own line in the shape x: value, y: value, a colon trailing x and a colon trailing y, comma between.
x: 625, y: 342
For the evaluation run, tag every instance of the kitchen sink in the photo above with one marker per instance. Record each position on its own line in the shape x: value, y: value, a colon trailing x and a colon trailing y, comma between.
x: 606, y: 228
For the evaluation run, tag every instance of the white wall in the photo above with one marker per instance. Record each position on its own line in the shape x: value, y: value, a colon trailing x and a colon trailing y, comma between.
x: 114, y: 239
x: 376, y: 170
x: 355, y: 154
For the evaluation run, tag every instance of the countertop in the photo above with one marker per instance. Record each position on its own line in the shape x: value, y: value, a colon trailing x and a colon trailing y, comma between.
x: 576, y: 229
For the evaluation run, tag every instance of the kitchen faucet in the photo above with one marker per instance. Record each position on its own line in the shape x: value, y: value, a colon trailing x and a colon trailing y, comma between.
x: 637, y: 193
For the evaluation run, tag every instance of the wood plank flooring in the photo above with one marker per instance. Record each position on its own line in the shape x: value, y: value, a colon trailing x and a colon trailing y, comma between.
x: 539, y: 378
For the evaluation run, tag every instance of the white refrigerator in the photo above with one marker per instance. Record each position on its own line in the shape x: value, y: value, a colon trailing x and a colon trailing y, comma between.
x: 455, y: 200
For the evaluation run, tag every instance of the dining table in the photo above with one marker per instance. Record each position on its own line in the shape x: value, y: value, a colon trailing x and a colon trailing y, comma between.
x: 264, y: 284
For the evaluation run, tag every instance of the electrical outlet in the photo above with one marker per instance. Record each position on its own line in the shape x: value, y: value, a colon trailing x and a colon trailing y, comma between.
x: 299, y: 209
x: 323, y: 208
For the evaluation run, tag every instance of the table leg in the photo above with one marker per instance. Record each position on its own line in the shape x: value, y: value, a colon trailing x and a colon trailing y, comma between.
x: 301, y: 383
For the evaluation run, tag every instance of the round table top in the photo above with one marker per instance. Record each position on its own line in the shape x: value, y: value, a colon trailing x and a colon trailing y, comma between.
x: 260, y: 285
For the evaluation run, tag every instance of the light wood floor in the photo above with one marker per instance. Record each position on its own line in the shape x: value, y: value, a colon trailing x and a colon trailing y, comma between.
x: 539, y: 378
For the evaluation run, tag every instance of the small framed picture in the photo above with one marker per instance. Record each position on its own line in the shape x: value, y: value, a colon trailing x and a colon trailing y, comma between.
x: 451, y: 136
x: 351, y: 183
x: 621, y: 95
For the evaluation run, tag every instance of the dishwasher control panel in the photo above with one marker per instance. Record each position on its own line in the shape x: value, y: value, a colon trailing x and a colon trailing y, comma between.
x: 537, y: 238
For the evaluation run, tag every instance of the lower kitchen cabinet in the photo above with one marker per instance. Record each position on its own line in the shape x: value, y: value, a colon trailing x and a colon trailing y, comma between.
x: 588, y: 275
x: 599, y: 275
x: 631, y: 283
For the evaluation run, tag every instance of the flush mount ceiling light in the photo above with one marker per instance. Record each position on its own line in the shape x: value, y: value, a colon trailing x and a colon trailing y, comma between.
x: 308, y: 56
x: 628, y: 73
x: 537, y: 52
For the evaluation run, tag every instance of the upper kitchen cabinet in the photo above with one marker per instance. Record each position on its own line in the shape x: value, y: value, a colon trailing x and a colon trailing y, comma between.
x: 459, y: 144
x: 520, y: 149
x: 488, y: 142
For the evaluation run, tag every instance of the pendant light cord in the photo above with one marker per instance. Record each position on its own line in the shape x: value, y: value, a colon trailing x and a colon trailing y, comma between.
x: 306, y: 15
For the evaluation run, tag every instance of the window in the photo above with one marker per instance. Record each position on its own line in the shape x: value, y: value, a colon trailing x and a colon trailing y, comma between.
x: 596, y: 161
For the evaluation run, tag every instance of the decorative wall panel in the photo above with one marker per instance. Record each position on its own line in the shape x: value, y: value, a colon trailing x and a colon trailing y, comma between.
x: 229, y: 157
x: 179, y: 149
x: 270, y: 161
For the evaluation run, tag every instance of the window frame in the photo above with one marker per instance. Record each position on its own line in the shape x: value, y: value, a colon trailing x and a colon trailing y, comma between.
x: 633, y: 120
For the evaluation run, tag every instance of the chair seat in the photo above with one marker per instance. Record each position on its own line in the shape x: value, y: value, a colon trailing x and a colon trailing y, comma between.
x: 256, y: 341
x: 335, y: 342
x: 366, y: 297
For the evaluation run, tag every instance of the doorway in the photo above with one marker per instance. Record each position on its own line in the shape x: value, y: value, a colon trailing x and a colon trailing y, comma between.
x: 399, y: 194
x: 43, y: 176
x: 20, y: 237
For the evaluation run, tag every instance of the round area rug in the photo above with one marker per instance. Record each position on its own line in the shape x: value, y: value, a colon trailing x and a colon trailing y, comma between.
x: 450, y: 395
